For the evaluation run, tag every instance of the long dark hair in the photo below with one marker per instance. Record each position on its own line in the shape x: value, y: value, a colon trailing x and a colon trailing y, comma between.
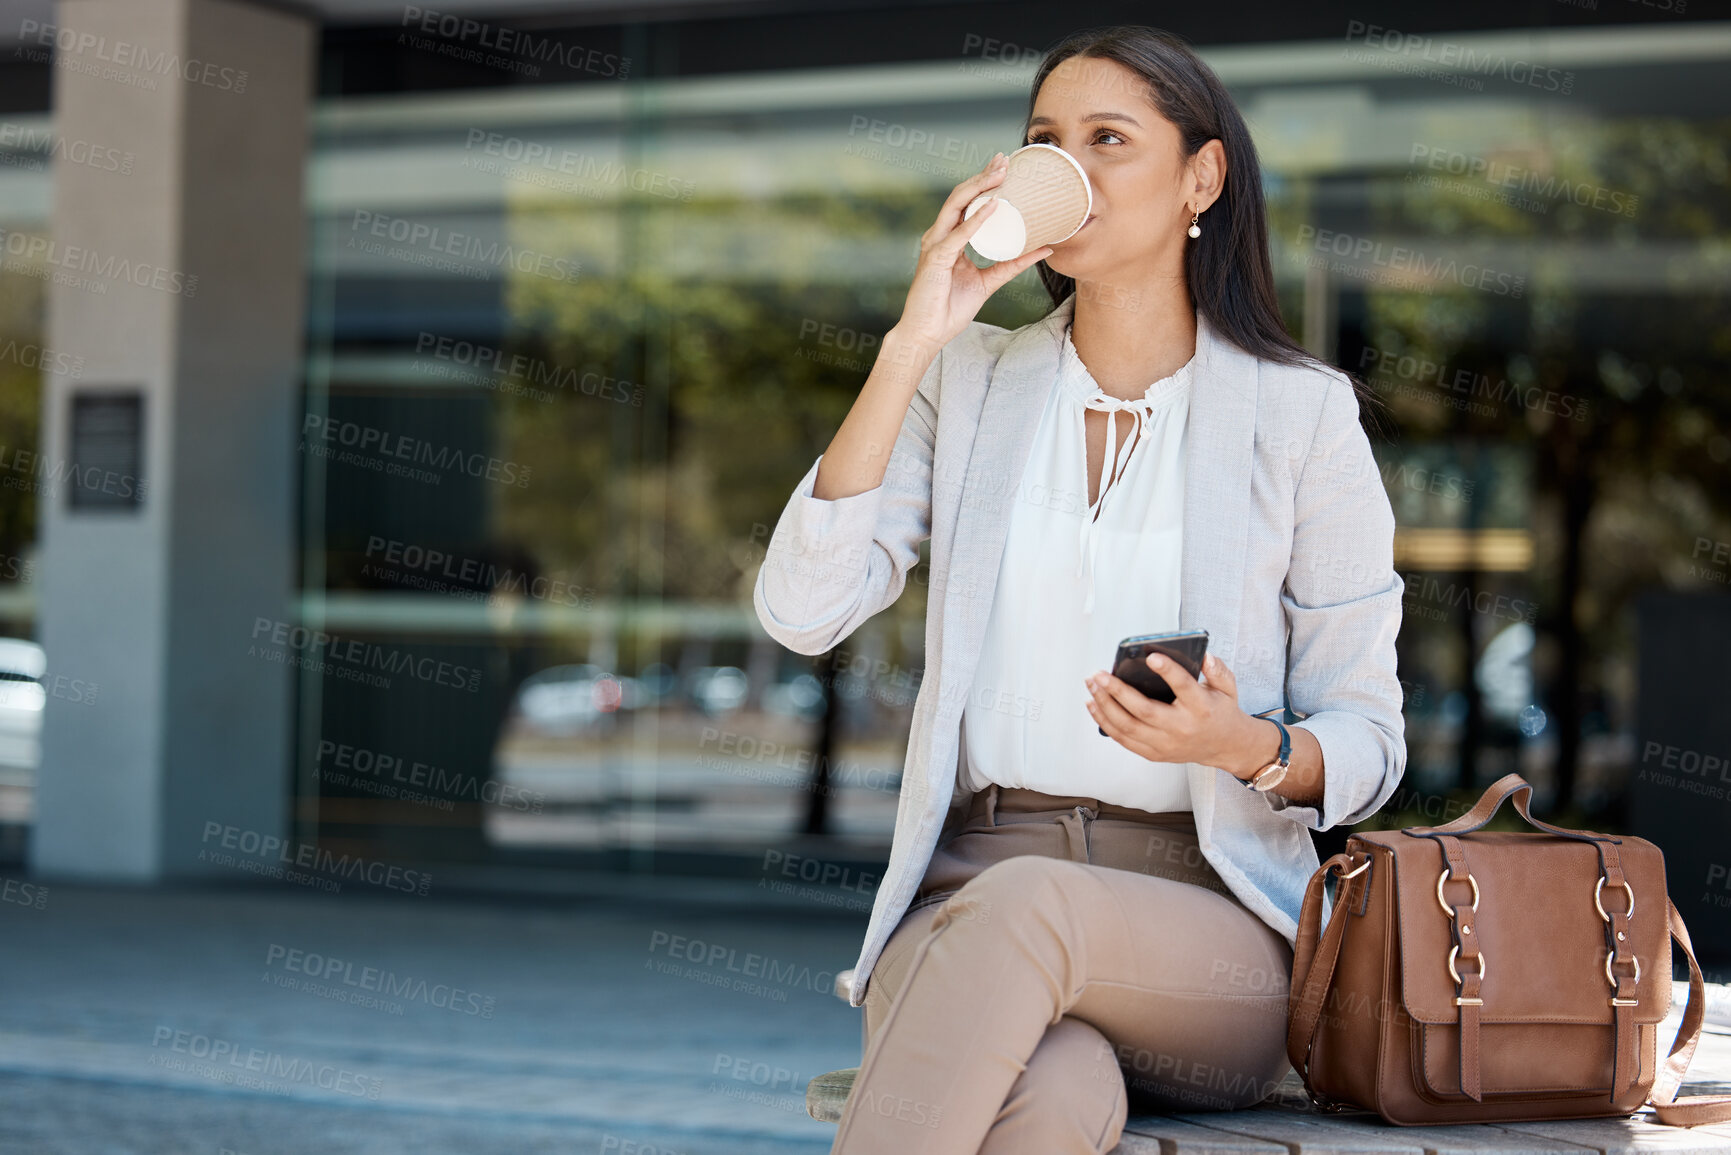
x: 1230, y: 277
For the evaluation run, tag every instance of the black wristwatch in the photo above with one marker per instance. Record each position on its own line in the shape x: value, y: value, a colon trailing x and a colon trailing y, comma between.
x: 1271, y: 775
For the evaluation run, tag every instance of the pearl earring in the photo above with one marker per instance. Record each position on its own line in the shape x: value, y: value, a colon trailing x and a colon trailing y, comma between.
x: 1195, y: 230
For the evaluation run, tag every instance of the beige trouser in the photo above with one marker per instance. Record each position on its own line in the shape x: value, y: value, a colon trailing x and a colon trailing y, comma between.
x: 1064, y: 961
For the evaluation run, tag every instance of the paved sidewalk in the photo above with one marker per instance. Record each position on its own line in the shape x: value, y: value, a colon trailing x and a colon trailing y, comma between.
x: 686, y: 1019
x: 624, y: 1015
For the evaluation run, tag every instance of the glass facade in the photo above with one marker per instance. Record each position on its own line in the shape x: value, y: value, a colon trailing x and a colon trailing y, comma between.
x: 27, y: 156
x: 571, y: 345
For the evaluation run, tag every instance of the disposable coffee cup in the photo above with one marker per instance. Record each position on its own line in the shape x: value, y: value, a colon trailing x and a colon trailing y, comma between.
x: 1046, y: 198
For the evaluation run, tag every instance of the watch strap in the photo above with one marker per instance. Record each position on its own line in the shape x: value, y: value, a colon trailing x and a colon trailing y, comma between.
x: 1282, y: 761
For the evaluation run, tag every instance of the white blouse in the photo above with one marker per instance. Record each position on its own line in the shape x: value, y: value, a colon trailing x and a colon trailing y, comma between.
x: 1074, y: 579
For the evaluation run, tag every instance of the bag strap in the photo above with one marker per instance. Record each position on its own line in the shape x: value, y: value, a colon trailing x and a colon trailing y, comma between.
x: 1694, y: 1109
x: 1509, y: 785
x: 1313, y: 958
x: 1471, y: 968
x: 1317, y: 950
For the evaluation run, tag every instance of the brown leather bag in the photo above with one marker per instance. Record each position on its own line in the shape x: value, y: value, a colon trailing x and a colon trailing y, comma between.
x: 1471, y: 976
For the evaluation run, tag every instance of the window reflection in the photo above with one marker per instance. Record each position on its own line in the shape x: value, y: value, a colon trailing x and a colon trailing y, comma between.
x: 620, y: 324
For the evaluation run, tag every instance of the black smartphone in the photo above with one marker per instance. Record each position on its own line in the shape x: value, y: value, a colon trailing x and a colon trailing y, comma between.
x: 1186, y: 647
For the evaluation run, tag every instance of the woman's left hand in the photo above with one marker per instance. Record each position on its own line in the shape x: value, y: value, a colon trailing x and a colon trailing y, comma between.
x: 1204, y: 724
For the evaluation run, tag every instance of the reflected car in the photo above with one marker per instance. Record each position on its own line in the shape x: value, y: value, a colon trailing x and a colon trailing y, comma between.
x: 799, y: 697
x: 569, y: 699
x: 22, y: 664
x: 658, y: 681
x: 719, y: 689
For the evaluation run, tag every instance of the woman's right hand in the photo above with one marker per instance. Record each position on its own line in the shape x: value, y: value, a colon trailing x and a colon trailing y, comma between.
x: 948, y: 289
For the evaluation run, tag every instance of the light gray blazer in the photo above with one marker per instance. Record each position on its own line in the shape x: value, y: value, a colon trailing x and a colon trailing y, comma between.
x: 1288, y: 564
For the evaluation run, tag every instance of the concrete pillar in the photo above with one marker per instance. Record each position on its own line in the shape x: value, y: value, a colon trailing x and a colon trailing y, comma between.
x: 183, y: 287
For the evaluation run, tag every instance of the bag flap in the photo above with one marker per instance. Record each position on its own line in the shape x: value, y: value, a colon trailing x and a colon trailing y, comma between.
x: 1539, y: 931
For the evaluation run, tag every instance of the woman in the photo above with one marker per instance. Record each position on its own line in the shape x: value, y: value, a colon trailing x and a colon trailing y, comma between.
x: 1071, y: 923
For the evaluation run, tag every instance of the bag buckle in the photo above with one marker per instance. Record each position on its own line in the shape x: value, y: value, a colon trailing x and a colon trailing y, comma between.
x: 1599, y: 903
x: 1611, y: 955
x: 1446, y: 876
x: 1454, y: 953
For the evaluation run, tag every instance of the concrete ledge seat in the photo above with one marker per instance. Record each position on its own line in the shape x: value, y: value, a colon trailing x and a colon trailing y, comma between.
x: 1286, y: 1124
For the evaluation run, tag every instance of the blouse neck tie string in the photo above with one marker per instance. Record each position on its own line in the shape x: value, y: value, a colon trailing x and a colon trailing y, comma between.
x: 1139, y: 408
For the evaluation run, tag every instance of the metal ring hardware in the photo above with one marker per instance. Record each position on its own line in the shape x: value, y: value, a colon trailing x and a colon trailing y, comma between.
x: 1609, y: 955
x: 1445, y: 876
x: 1357, y: 870
x: 1455, y: 951
x: 1598, y: 902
